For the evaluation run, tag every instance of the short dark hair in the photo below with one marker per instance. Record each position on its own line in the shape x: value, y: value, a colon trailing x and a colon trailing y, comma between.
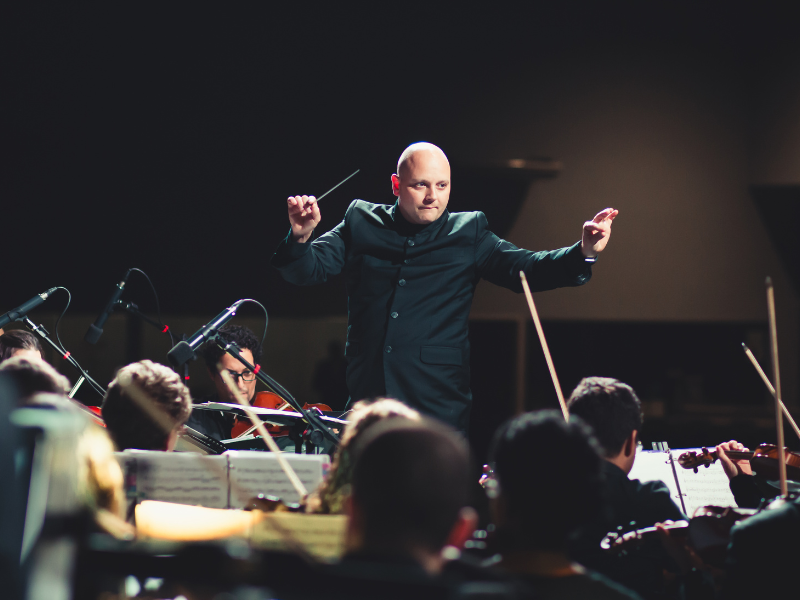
x: 128, y: 425
x: 549, y: 474
x: 410, y: 481
x: 31, y: 376
x: 610, y: 407
x: 18, y: 339
x: 238, y: 334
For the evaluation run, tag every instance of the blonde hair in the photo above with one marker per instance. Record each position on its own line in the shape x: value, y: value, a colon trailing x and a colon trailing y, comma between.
x: 329, y: 497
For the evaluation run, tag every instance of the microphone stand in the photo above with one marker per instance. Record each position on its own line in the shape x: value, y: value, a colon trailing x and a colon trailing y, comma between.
x: 42, y: 333
x: 134, y: 310
x: 319, y: 429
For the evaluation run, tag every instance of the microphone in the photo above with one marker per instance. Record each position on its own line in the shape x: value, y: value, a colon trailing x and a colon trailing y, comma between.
x: 96, y: 329
x: 184, y: 351
x: 22, y: 310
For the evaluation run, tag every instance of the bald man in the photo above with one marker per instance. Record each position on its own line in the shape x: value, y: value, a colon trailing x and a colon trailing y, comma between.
x: 411, y: 270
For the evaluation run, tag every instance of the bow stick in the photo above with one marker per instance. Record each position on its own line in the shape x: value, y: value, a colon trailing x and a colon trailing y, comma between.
x: 265, y: 435
x: 547, y: 356
x: 773, y: 338
x: 771, y: 389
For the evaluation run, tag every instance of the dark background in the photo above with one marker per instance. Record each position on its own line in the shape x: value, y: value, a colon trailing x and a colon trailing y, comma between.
x: 168, y: 137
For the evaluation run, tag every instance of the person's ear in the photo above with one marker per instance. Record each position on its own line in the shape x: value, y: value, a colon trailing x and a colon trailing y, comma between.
x: 396, y: 184
x: 630, y: 444
x: 172, y: 440
x: 463, y: 528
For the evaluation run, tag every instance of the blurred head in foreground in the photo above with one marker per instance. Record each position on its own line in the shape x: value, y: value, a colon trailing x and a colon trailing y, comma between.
x: 410, y: 492
x: 32, y: 375
x: 18, y: 342
x: 548, y: 479
x: 145, y: 406
x: 614, y: 412
x: 329, y: 498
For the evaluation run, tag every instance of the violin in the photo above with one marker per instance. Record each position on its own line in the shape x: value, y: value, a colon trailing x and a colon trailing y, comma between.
x: 271, y: 401
x: 763, y: 460
x: 708, y: 532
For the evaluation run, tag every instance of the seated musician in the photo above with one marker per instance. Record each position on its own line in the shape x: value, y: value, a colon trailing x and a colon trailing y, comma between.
x: 18, y: 342
x: 613, y: 411
x: 537, y: 509
x: 216, y: 424
x: 33, y: 375
x: 145, y: 406
x: 411, y: 482
x: 329, y: 498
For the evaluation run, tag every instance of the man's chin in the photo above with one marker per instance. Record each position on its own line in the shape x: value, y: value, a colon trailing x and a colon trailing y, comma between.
x: 428, y: 215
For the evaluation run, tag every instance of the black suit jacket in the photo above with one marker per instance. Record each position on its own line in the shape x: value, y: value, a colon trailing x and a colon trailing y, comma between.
x: 410, y: 289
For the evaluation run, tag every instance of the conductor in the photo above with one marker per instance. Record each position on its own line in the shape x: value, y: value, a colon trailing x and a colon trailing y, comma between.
x: 411, y: 271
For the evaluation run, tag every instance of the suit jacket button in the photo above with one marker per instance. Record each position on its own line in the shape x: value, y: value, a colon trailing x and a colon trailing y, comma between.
x: 410, y: 242
x: 394, y: 315
x: 388, y: 349
x: 401, y: 283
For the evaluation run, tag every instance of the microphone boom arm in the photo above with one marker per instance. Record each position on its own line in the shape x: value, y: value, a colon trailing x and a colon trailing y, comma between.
x: 308, y: 415
x: 42, y: 333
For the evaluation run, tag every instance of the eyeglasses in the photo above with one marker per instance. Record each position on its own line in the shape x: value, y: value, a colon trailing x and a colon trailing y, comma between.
x: 247, y: 376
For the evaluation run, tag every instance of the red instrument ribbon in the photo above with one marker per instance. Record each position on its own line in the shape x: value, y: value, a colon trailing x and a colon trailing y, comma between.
x: 256, y: 370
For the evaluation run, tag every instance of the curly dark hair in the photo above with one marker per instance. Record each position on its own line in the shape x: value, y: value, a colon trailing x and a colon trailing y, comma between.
x: 18, y: 339
x: 241, y: 336
x: 550, y: 478
x: 610, y: 407
x: 128, y: 425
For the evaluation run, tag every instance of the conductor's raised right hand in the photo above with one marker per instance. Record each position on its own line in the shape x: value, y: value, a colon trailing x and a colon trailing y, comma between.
x: 304, y: 216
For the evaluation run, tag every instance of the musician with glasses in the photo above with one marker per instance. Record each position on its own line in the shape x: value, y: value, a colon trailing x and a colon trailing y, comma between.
x: 216, y: 424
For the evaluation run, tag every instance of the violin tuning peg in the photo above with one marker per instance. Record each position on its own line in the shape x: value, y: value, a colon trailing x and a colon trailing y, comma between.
x: 708, y: 465
x: 695, y: 469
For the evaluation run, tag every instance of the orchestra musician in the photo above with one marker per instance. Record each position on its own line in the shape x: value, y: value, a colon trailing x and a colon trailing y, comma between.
x: 18, y: 342
x: 132, y: 424
x: 538, y: 509
x: 410, y: 494
x: 411, y: 270
x: 613, y: 411
x: 32, y: 375
x: 216, y: 424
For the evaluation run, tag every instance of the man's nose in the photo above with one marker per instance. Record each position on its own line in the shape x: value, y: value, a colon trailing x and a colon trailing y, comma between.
x: 432, y: 194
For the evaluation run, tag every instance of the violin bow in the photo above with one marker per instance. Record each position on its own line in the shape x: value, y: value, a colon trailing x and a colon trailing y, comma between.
x: 547, y: 356
x: 265, y: 435
x: 771, y: 389
x: 773, y: 338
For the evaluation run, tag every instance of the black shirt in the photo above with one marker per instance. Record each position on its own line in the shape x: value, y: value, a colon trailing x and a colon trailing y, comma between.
x: 213, y: 423
x: 632, y: 505
x: 410, y: 288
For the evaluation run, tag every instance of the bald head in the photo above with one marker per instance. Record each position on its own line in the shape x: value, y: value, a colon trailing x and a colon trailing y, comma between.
x: 421, y: 151
x: 422, y: 183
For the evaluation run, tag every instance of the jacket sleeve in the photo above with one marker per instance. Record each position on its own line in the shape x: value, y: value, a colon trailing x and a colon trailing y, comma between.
x: 313, y: 262
x: 500, y: 262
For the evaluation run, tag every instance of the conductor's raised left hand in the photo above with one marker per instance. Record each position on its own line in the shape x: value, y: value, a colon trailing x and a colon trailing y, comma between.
x: 596, y: 232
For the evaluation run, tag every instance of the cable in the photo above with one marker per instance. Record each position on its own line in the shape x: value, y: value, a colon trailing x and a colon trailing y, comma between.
x: 266, y: 316
x: 63, y: 312
x: 158, y: 306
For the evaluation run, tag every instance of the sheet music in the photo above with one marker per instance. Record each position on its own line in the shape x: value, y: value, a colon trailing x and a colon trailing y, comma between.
x: 709, y: 486
x: 183, y: 478
x: 321, y: 535
x: 653, y: 465
x: 253, y: 473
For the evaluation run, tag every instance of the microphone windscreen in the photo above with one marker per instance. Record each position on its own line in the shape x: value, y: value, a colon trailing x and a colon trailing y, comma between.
x: 93, y: 334
x: 180, y: 354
